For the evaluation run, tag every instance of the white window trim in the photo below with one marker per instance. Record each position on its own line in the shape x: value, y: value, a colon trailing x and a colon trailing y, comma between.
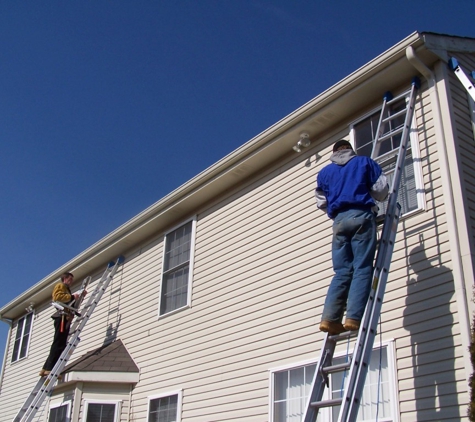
x: 55, y: 404
x: 416, y: 159
x: 118, y: 407
x: 179, y: 393
x: 190, y: 274
x: 12, y: 362
x: 390, y: 346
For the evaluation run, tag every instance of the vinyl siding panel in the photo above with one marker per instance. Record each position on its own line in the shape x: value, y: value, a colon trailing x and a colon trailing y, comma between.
x: 20, y: 377
x: 463, y: 115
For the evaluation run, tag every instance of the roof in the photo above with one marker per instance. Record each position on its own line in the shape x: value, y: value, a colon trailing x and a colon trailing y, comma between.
x: 108, y: 363
x: 112, y: 357
x: 319, y: 116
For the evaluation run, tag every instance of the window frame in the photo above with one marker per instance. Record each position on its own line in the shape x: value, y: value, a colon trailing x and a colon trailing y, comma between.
x: 390, y: 346
x: 23, y: 318
x: 56, y: 404
x: 190, y: 272
x: 117, y: 404
x: 415, y: 152
x: 178, y: 393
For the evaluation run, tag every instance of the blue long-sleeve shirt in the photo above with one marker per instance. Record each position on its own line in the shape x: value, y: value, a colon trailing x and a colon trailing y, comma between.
x: 350, y: 182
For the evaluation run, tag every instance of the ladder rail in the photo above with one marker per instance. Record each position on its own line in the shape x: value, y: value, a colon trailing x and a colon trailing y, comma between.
x: 361, y: 356
x: 367, y: 332
x: 463, y: 78
x: 46, y: 385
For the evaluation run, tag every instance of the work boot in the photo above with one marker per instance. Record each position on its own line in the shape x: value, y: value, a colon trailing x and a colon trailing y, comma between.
x: 352, y: 325
x: 331, y: 327
x: 44, y: 373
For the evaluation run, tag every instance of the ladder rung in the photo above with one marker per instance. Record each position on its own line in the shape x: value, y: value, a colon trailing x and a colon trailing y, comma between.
x: 326, y: 403
x: 336, y: 368
x: 343, y: 336
x: 388, y: 135
x: 398, y: 97
x: 393, y: 116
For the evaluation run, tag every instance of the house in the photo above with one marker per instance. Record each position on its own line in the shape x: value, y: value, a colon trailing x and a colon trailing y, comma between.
x: 214, y: 314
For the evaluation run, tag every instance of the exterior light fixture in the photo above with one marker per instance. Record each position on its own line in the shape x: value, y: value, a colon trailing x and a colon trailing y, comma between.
x: 303, y: 142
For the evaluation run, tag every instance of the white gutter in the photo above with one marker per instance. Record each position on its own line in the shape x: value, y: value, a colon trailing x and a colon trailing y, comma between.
x: 447, y: 187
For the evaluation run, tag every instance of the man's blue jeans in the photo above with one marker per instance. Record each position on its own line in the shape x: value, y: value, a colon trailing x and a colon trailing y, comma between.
x: 353, y: 249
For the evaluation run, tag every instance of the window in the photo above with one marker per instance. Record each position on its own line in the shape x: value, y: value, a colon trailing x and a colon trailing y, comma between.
x: 165, y: 408
x: 410, y: 195
x: 60, y: 412
x: 175, y: 291
x: 291, y: 388
x: 23, y: 331
x: 101, y: 411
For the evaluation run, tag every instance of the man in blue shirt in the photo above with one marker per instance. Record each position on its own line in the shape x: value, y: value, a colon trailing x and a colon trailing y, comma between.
x: 347, y: 189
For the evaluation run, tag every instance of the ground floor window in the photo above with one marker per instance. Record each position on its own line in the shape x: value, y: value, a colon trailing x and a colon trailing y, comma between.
x: 101, y: 411
x: 165, y: 408
x: 60, y: 412
x: 291, y: 387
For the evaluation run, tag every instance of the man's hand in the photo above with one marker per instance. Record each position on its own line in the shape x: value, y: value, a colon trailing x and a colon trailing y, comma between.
x: 79, y: 293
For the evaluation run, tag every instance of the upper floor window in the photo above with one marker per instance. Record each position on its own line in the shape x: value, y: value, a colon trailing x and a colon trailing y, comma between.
x: 165, y: 408
x: 22, y: 337
x: 175, y: 290
x: 410, y: 194
x: 291, y: 388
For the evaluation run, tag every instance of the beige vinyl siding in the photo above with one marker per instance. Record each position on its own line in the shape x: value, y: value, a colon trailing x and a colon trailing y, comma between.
x: 421, y: 298
x: 464, y: 134
x: 225, y: 343
x: 20, y: 377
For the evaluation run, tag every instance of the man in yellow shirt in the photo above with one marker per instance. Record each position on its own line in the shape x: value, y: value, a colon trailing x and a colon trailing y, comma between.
x: 62, y: 320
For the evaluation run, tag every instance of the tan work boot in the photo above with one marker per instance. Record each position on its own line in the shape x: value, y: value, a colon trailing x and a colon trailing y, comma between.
x: 331, y: 327
x: 352, y: 325
x: 44, y: 373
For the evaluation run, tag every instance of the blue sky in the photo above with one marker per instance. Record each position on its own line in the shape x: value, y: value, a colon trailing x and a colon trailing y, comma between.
x: 107, y: 106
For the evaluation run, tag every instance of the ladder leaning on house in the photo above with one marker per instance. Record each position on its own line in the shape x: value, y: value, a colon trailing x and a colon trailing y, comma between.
x: 45, y: 385
x: 359, y: 362
x: 462, y: 76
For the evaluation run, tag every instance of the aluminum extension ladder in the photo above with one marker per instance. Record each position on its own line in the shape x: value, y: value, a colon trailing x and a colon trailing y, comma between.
x: 359, y: 361
x: 45, y: 385
x: 462, y: 76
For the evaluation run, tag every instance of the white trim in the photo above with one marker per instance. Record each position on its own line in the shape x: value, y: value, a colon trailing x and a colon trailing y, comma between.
x: 178, y: 393
x: 191, y: 266
x: 98, y: 376
x: 22, y: 335
x: 117, y: 403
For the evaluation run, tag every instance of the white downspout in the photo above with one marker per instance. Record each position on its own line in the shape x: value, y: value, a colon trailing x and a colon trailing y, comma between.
x: 458, y: 273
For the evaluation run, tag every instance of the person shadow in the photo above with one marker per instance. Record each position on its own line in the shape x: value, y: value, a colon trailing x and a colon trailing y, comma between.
x: 428, y: 318
x: 111, y: 332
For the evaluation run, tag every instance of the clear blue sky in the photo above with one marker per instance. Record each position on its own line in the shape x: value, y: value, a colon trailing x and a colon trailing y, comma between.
x: 107, y: 106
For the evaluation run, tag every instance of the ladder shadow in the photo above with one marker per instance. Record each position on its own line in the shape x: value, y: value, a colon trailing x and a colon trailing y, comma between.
x: 428, y: 318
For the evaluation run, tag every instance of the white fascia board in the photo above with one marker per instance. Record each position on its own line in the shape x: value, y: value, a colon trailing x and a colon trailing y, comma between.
x: 96, y: 376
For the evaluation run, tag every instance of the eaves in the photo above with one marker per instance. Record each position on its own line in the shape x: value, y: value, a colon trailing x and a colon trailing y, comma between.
x: 366, y: 85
